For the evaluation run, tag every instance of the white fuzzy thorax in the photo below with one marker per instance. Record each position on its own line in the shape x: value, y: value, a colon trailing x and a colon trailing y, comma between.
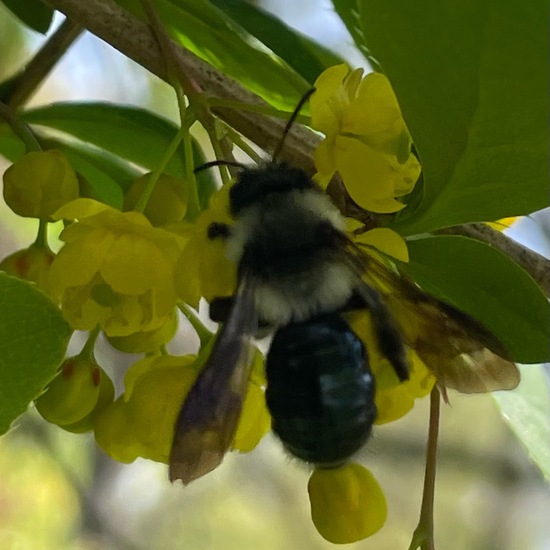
x: 326, y: 286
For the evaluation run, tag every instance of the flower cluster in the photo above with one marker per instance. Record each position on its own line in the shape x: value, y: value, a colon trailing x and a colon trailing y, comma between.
x: 366, y: 139
x: 126, y: 272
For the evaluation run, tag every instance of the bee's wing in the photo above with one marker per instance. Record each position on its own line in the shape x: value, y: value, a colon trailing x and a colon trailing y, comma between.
x: 458, y: 349
x: 208, y: 419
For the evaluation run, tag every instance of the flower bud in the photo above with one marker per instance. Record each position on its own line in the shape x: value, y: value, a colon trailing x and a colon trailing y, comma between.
x: 39, y: 183
x: 72, y: 394
x: 32, y: 264
x: 167, y: 203
x: 105, y: 398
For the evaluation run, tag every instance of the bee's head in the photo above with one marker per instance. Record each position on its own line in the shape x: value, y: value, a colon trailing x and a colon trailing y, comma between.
x: 254, y: 184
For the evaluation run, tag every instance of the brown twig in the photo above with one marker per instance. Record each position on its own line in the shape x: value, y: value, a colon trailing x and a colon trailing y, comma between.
x: 134, y: 38
x: 23, y: 86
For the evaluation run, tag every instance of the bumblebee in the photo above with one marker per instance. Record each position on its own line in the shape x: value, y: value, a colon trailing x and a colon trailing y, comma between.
x: 298, y: 273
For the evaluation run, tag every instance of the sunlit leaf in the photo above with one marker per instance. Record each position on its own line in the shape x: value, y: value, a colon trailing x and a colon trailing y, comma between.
x: 348, y: 11
x: 205, y: 30
x: 472, y: 81
x: 306, y: 57
x: 488, y: 285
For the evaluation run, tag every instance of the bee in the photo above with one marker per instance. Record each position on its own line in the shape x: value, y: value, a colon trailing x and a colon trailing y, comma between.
x: 298, y: 273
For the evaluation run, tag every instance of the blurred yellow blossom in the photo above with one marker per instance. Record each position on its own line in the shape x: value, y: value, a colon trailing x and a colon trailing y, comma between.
x: 141, y: 422
x: 115, y: 270
x: 366, y: 139
x: 347, y: 503
x: 393, y: 398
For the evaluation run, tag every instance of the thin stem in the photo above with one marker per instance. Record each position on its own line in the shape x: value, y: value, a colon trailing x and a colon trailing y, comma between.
x: 87, y: 352
x: 187, y: 116
x: 202, y: 332
x: 20, y: 129
x: 42, y: 235
x: 244, y: 146
x: 423, y: 536
x: 141, y: 204
x: 38, y: 68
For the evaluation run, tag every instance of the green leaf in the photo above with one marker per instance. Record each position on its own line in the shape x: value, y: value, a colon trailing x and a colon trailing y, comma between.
x: 348, y: 11
x: 308, y: 58
x: 209, y: 33
x: 33, y: 341
x: 472, y: 81
x: 488, y: 285
x: 527, y: 410
x: 33, y: 13
x: 134, y: 134
x: 11, y: 147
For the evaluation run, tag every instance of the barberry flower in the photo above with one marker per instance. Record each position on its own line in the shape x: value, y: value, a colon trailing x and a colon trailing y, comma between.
x: 140, y: 423
x: 39, y: 183
x: 146, y: 341
x: 366, y: 139
x: 203, y: 270
x: 32, y: 264
x: 115, y: 270
x: 347, y: 503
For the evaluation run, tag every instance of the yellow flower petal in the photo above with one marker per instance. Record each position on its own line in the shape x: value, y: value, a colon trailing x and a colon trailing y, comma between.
x: 386, y: 241
x: 79, y: 209
x: 347, y: 503
x: 326, y: 111
x: 367, y: 175
x: 142, y: 424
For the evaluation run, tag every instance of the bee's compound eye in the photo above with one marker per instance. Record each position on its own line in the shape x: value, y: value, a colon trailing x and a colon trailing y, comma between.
x: 218, y: 230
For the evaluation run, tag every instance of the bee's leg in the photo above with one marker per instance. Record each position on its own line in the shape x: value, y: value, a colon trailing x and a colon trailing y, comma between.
x: 220, y: 308
x: 388, y: 335
x: 218, y: 230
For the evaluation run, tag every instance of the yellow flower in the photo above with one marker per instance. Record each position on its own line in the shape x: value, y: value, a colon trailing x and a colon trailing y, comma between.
x: 39, y: 183
x: 147, y: 341
x: 203, y: 270
x: 115, y: 270
x: 140, y: 423
x: 347, y: 504
x: 366, y: 139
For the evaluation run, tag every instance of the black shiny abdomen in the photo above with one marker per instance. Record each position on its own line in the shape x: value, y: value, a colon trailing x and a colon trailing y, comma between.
x: 320, y: 390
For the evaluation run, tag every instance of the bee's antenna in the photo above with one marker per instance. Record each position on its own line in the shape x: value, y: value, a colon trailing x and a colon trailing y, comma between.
x: 212, y: 163
x: 291, y: 121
